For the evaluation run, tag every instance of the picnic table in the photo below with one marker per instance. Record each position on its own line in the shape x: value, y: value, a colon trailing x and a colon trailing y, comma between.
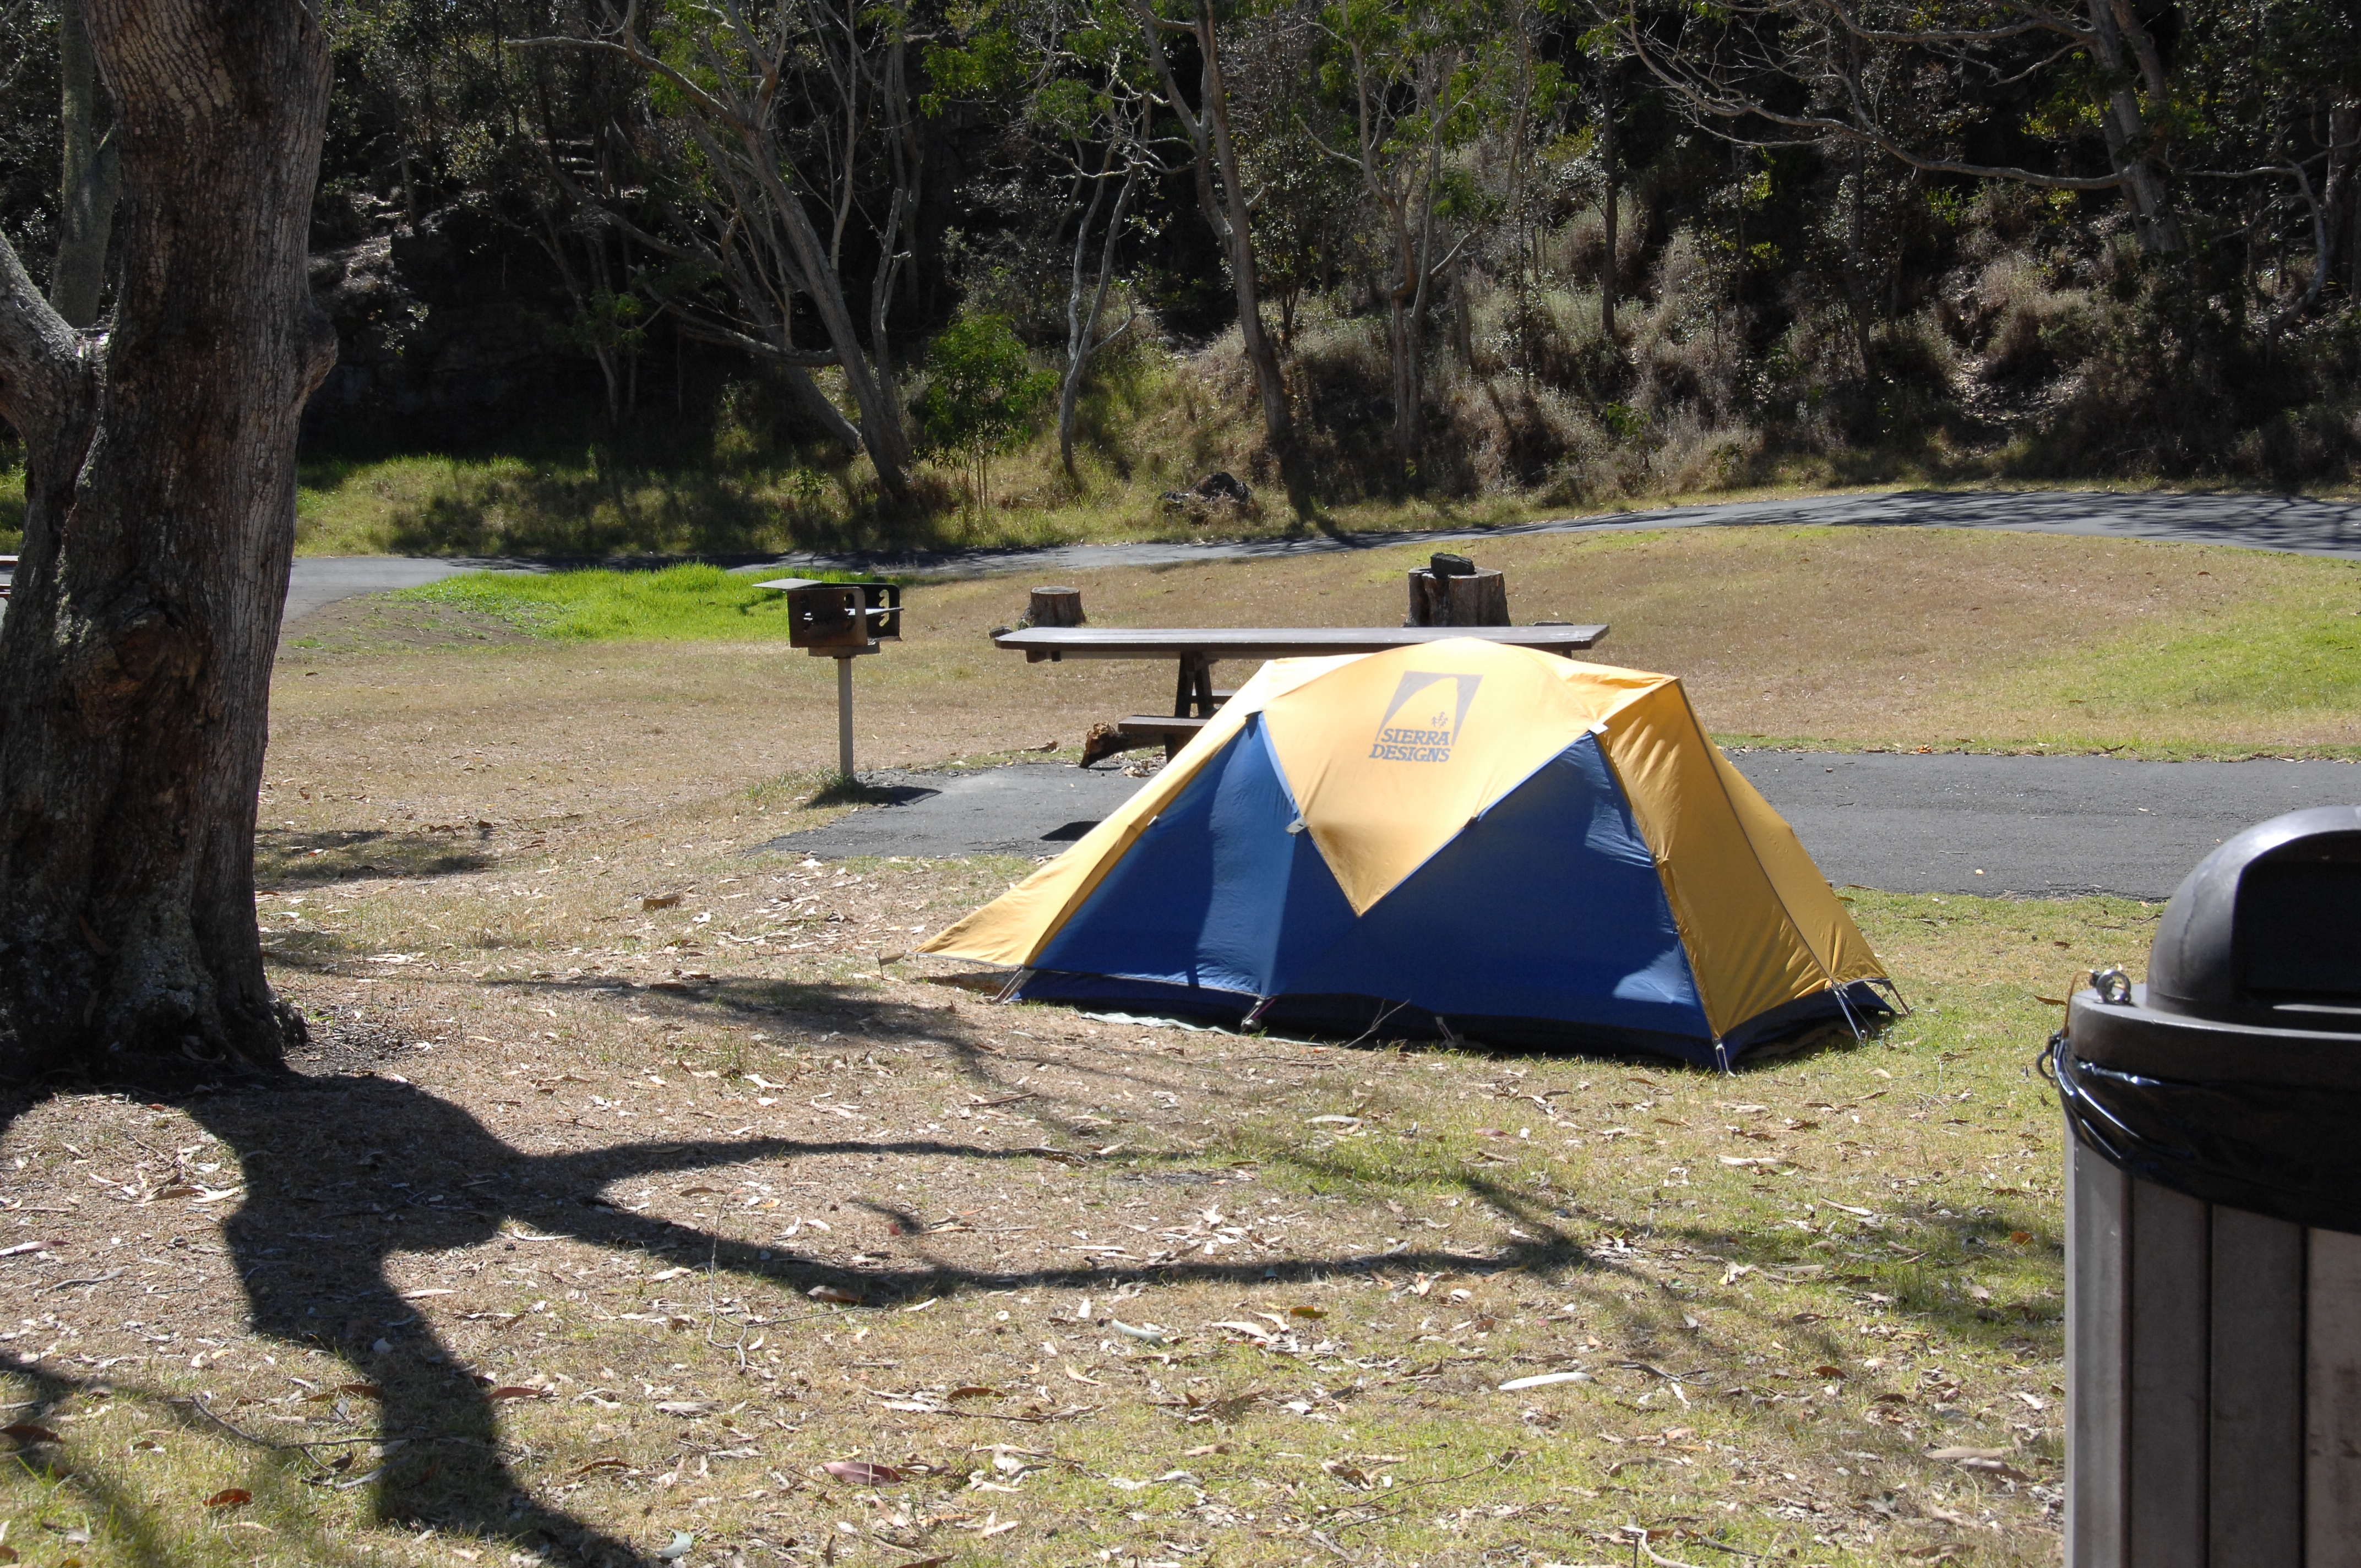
x: 1196, y: 649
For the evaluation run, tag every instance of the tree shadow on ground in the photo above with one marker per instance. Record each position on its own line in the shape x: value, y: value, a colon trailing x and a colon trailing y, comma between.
x: 282, y: 858
x: 343, y: 1173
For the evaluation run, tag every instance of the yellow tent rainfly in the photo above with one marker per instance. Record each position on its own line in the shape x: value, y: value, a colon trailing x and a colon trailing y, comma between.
x: 1459, y: 838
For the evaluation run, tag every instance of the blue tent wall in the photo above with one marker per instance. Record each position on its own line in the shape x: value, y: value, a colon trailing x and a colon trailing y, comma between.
x: 1547, y: 907
x: 1213, y: 887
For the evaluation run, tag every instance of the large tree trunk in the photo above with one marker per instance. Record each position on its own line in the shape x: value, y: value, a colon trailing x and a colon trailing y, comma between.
x: 91, y: 169
x: 134, y: 660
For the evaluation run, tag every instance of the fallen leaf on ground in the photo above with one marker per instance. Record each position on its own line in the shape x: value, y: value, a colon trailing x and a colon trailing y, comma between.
x: 861, y: 1473
x: 1542, y: 1379
x: 681, y: 1542
x: 230, y: 1498
x: 27, y: 1431
x: 836, y: 1293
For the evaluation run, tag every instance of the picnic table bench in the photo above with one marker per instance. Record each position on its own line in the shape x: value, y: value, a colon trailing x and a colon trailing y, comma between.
x: 1196, y: 649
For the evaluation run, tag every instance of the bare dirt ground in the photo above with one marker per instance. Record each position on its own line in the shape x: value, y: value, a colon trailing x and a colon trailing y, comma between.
x: 640, y: 1199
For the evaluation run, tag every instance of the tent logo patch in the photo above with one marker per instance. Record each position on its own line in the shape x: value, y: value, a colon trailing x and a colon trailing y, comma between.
x: 1421, y: 724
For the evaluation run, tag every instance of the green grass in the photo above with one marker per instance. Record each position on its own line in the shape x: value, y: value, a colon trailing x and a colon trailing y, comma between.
x: 678, y: 604
x: 2297, y: 660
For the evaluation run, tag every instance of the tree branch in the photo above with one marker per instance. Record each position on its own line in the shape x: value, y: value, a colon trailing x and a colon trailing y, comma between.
x: 705, y: 331
x: 42, y: 372
x: 1723, y: 107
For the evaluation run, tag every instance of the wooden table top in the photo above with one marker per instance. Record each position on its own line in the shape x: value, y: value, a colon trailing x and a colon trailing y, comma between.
x: 1212, y: 642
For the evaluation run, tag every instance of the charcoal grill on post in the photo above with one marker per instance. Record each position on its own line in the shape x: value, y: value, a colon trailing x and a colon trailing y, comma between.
x: 841, y: 621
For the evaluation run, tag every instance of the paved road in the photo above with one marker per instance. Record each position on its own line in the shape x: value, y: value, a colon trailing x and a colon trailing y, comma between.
x: 2046, y: 826
x: 2261, y: 522
x: 2031, y: 824
x: 320, y: 580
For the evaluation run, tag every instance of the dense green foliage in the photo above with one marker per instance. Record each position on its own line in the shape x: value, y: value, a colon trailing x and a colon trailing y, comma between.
x: 1560, y: 249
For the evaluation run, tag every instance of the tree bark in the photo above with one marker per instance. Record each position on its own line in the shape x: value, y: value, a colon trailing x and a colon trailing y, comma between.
x: 1083, y: 338
x: 1226, y: 214
x: 135, y: 656
x: 86, y: 195
x: 2125, y: 129
x: 1278, y: 423
x: 1606, y: 269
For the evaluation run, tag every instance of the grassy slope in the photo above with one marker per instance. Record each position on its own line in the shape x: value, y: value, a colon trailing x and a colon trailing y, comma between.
x: 730, y: 484
x: 1890, y: 637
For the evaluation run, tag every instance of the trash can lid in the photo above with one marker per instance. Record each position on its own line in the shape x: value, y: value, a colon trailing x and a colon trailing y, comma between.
x: 2268, y: 929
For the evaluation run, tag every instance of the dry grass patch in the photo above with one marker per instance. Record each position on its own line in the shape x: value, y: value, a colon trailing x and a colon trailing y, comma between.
x: 561, y: 1265
x: 634, y: 1180
x: 1848, y: 637
x: 591, y: 1224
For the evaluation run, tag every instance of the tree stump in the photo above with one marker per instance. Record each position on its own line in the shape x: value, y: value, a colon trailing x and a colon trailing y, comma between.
x: 1056, y: 607
x: 1451, y: 598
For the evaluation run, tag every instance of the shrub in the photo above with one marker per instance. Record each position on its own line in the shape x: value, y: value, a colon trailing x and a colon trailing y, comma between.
x: 981, y: 394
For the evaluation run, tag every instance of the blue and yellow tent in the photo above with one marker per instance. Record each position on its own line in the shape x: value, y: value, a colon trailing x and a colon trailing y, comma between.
x: 1459, y: 838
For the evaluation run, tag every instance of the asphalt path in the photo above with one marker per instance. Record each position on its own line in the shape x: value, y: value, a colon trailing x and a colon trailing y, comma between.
x: 2045, y: 826
x: 2260, y: 522
x: 2290, y: 523
x: 318, y: 581
x: 1937, y: 823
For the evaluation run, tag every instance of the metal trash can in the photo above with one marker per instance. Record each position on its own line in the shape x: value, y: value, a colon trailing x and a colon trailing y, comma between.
x: 2214, y: 1219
